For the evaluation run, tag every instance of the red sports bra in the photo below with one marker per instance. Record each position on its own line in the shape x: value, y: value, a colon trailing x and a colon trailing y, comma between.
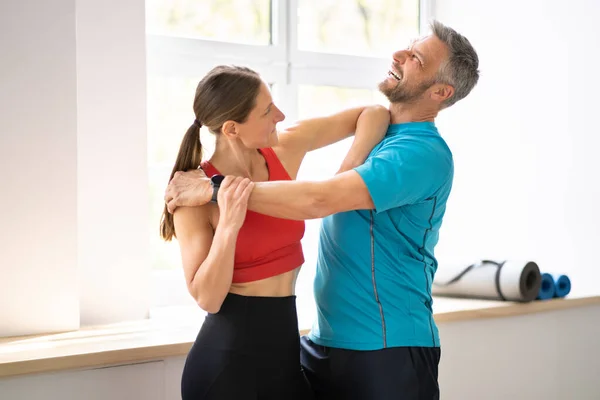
x: 266, y: 246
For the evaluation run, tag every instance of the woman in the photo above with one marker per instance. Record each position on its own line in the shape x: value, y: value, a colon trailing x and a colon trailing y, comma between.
x: 241, y: 266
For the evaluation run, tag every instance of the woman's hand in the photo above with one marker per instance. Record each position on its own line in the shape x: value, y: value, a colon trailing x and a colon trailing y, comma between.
x: 233, y: 201
x: 371, y: 127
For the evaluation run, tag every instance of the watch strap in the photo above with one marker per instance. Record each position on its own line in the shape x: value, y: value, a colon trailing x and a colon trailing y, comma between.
x: 215, y: 182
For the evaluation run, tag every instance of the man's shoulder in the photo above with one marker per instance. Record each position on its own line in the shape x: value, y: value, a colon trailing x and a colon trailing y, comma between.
x: 422, y: 145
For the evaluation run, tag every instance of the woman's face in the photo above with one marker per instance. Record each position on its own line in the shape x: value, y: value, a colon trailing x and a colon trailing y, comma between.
x: 260, y: 129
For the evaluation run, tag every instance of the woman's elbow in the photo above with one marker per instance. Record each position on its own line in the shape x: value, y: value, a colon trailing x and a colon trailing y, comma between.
x: 211, y: 305
x: 210, y: 302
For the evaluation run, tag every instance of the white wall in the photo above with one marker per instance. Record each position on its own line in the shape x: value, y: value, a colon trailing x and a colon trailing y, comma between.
x: 131, y: 382
x: 74, y: 204
x: 38, y: 167
x: 550, y: 356
x: 525, y: 141
x: 113, y: 171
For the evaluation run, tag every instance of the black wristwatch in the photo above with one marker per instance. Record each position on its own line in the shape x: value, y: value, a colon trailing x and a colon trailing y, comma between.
x: 215, y: 182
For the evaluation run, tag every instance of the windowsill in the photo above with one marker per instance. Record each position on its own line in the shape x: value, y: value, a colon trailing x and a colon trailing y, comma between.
x: 161, y: 337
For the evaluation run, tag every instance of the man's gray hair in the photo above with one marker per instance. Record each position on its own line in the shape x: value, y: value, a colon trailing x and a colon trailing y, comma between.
x: 461, y: 68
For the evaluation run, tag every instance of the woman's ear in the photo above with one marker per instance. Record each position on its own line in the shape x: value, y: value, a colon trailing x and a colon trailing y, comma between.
x: 229, y: 129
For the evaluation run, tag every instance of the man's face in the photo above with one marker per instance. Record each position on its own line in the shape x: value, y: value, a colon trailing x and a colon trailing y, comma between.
x: 414, y: 70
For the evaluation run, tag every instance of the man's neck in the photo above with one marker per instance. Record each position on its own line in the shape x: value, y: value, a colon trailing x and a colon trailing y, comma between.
x: 411, y: 112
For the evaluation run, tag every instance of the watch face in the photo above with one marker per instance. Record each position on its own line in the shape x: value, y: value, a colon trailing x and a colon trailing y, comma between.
x: 217, y: 179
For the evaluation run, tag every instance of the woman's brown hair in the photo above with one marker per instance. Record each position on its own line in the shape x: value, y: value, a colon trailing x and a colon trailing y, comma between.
x: 226, y: 93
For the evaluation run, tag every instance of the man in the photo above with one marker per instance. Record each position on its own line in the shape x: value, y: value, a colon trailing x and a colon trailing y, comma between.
x: 375, y: 337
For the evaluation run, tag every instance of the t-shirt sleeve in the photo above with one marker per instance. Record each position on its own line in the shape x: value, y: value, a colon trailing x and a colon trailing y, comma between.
x: 405, y: 172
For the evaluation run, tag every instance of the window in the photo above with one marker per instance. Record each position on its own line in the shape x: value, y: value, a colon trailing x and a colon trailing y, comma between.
x: 320, y: 57
x: 238, y: 21
x: 370, y: 27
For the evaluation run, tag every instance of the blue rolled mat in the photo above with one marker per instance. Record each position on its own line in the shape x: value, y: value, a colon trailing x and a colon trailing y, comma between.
x: 548, y: 287
x: 562, y: 285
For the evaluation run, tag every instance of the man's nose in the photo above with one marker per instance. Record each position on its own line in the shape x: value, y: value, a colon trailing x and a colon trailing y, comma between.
x: 400, y: 56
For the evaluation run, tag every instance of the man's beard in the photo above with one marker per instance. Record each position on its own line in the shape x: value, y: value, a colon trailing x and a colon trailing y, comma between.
x: 402, y: 94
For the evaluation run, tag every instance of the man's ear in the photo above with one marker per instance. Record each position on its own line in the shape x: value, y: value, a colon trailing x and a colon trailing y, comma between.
x: 229, y: 129
x: 442, y: 93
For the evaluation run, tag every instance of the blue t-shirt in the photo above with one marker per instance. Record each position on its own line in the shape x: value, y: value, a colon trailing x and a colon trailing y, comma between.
x: 375, y: 267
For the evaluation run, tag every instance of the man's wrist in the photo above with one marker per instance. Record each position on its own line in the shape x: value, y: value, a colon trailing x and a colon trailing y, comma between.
x: 207, y: 191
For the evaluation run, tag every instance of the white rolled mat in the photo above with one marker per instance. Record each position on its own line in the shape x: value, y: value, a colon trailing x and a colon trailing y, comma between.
x: 490, y: 280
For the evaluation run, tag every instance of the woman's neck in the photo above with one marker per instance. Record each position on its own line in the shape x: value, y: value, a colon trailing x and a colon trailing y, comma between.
x: 231, y: 157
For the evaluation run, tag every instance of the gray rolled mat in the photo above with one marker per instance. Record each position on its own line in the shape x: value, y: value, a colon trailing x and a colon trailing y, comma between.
x: 490, y: 280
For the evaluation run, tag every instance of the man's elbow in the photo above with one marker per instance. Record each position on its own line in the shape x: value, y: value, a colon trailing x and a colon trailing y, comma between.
x: 319, y: 207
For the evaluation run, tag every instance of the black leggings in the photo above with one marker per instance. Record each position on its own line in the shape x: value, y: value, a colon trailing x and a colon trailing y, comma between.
x: 395, y: 373
x: 249, y: 350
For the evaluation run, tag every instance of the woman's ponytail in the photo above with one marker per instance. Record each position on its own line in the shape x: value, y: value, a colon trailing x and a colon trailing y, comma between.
x: 189, y: 157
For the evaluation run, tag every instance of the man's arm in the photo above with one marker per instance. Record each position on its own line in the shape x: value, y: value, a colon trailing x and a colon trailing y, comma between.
x: 398, y: 174
x: 302, y: 200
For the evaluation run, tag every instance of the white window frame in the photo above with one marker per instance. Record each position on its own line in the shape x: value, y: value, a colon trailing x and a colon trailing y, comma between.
x: 280, y: 63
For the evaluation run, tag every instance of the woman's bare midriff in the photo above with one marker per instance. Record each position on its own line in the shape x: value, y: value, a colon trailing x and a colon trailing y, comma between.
x: 276, y: 286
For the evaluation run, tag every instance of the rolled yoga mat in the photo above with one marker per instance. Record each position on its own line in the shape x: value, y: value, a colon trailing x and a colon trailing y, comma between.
x: 547, y: 288
x: 491, y: 280
x: 563, y: 286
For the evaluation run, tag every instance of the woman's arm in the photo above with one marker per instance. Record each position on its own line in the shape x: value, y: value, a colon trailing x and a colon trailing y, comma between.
x: 315, y: 133
x: 207, y: 255
x: 191, y: 188
x: 371, y: 127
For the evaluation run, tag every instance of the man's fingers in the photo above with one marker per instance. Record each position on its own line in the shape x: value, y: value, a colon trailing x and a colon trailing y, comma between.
x: 171, y: 206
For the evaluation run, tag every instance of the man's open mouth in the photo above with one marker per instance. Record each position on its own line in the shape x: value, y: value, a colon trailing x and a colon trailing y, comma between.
x: 394, y: 75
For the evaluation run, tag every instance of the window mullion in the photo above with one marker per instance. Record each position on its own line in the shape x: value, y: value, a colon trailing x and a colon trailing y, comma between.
x: 426, y: 14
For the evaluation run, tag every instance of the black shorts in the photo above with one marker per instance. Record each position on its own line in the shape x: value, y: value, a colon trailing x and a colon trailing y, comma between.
x: 249, y: 350
x: 398, y: 373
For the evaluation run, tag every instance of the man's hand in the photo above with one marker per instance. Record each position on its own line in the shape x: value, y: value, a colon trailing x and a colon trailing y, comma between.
x: 188, y: 189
